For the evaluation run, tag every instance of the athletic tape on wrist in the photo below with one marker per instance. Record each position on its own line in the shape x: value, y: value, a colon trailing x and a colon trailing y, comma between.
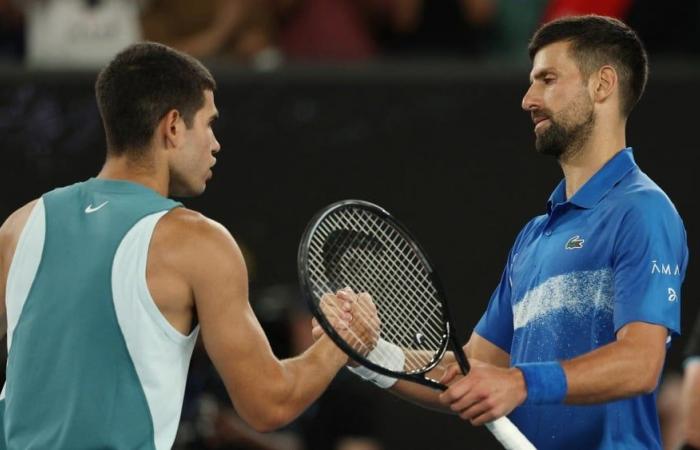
x: 545, y: 381
x: 384, y: 354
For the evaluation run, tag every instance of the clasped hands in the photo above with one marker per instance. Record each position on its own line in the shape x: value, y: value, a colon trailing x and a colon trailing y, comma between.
x: 353, y: 316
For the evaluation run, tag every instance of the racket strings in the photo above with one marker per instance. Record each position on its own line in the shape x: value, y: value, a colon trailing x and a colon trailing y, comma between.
x: 386, y: 278
x: 355, y: 248
x: 392, y: 329
x: 381, y: 280
x: 406, y: 272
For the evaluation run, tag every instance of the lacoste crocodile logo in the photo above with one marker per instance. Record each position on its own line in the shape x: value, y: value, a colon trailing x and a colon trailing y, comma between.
x: 574, y: 243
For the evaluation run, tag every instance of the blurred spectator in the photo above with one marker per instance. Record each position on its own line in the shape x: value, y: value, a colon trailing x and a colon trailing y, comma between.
x: 440, y: 28
x: 668, y: 402
x: 690, y: 398
x: 514, y: 23
x: 238, y: 30
x: 78, y: 33
x: 612, y: 8
x: 11, y: 32
x: 339, y: 30
x: 665, y: 27
x: 263, y: 32
x: 355, y: 30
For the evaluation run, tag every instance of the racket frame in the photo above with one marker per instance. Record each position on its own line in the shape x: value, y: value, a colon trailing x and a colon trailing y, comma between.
x: 418, y: 375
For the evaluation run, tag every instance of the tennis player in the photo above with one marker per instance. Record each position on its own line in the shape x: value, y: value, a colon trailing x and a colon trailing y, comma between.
x: 105, y: 284
x: 574, y: 338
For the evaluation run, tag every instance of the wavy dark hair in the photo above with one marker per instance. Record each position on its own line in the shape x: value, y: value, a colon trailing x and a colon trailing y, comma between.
x: 597, y: 41
x: 138, y: 88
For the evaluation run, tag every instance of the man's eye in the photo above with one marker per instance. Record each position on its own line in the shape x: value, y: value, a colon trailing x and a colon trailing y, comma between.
x: 549, y: 80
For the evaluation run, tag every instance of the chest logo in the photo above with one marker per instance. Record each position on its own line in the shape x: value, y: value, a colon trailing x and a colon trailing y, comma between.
x: 574, y: 243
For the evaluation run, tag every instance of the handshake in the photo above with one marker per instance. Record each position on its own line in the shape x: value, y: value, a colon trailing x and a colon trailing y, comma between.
x: 353, y: 317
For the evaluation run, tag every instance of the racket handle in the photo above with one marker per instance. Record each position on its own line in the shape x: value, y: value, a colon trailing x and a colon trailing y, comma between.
x: 508, y: 435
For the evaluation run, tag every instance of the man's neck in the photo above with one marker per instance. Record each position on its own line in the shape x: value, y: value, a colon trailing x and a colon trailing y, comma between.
x: 141, y: 172
x: 590, y: 158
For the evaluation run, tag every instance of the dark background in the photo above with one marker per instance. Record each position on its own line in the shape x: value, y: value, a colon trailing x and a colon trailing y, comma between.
x: 444, y: 147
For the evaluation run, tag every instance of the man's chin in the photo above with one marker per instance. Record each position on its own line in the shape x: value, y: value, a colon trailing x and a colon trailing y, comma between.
x: 188, y: 192
x: 548, y: 150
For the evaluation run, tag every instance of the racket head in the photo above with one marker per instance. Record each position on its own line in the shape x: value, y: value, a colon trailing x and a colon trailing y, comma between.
x: 350, y: 226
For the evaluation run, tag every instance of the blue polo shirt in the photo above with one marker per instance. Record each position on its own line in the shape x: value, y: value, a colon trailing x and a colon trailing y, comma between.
x: 614, y: 253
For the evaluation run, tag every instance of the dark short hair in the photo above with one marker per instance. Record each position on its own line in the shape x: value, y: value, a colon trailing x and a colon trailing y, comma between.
x: 595, y: 42
x: 140, y: 86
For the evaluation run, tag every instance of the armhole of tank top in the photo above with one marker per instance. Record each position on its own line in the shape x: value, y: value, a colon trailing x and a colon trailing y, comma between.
x: 23, y: 269
x: 141, y: 235
x: 24, y: 266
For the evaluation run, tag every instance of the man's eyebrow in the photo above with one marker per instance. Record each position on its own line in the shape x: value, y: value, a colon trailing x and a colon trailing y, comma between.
x: 541, y: 73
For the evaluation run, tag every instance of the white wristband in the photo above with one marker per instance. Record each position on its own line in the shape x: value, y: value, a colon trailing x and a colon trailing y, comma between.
x: 384, y: 354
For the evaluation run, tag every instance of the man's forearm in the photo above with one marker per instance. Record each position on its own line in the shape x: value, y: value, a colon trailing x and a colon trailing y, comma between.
x: 423, y: 395
x: 419, y: 395
x: 298, y: 383
x: 313, y: 370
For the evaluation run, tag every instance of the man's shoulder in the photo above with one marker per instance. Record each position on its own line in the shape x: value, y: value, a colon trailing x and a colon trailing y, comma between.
x: 638, y: 193
x: 191, y: 237
x: 10, y: 232
x: 187, y: 226
x: 192, y: 244
x: 531, y: 225
x: 14, y: 223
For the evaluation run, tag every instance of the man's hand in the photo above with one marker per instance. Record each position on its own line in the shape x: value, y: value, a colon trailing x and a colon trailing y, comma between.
x: 485, y: 394
x: 353, y: 316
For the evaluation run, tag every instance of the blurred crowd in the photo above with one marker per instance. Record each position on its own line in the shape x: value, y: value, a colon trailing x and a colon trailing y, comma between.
x: 268, y: 33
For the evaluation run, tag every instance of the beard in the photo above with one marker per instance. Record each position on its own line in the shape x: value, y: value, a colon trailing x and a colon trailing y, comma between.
x: 565, y: 136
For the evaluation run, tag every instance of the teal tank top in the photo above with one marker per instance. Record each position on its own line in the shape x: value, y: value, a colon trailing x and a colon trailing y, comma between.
x: 72, y: 380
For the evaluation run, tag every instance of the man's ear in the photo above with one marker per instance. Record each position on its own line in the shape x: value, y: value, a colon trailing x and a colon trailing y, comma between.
x: 605, y: 83
x: 171, y: 129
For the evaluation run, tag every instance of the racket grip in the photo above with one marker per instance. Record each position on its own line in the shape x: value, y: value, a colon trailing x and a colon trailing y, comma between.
x: 508, y: 435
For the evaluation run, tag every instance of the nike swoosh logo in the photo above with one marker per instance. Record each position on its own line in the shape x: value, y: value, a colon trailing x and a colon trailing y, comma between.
x: 90, y: 209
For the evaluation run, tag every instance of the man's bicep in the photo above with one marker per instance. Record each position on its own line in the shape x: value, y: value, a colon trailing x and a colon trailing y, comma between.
x: 484, y: 350
x: 650, y: 340
x: 232, y: 336
x: 651, y: 336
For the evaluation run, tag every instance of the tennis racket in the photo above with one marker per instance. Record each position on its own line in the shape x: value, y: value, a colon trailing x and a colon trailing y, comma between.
x: 357, y: 244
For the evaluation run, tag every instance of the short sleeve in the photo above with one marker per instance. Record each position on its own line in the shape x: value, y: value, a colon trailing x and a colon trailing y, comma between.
x: 649, y: 263
x: 496, y: 325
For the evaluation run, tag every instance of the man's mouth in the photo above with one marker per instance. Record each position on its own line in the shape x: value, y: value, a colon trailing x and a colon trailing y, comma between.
x: 539, y: 121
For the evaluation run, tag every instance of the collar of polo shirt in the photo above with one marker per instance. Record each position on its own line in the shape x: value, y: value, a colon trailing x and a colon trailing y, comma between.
x: 598, y: 186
